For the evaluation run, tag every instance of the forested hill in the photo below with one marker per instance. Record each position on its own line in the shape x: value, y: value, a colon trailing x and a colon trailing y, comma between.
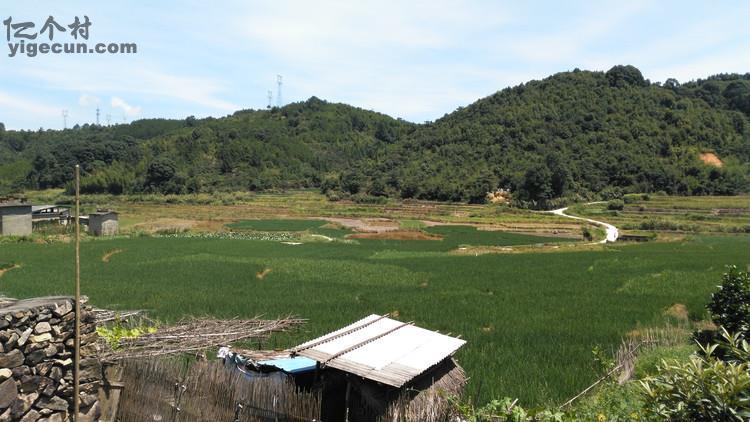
x: 576, y: 133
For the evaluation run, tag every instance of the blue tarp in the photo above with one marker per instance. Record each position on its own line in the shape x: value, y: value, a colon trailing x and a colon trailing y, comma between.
x: 293, y: 365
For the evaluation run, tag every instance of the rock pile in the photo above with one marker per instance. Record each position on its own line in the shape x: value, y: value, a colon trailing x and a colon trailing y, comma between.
x: 36, y: 360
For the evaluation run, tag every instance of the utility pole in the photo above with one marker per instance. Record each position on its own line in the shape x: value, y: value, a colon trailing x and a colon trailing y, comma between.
x: 77, y: 355
x: 65, y: 119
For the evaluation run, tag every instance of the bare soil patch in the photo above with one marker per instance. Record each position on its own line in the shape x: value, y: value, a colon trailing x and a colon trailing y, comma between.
x: 110, y: 254
x: 677, y: 311
x: 554, y: 248
x: 396, y: 235
x: 366, y: 224
x: 5, y: 270
x: 262, y: 274
x: 711, y: 159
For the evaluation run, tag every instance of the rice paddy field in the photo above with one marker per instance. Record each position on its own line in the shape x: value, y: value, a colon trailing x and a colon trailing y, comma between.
x: 530, y: 319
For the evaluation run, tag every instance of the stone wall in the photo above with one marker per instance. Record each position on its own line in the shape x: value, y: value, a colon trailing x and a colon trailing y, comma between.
x: 36, y: 360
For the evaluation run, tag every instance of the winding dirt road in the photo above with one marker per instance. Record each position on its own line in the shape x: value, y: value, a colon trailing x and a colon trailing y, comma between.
x: 612, y: 232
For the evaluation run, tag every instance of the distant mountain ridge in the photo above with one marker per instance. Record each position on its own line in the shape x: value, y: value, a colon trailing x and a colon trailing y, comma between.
x: 577, y: 133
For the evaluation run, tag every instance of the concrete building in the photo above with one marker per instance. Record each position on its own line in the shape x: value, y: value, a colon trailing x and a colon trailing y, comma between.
x: 103, y: 223
x: 50, y: 213
x: 15, y: 219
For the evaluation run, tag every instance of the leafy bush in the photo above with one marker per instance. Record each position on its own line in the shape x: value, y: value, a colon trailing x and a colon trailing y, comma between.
x: 119, y: 331
x: 730, y: 306
x: 704, y: 388
x: 616, y: 205
x: 586, y: 233
x: 504, y: 410
x: 362, y: 198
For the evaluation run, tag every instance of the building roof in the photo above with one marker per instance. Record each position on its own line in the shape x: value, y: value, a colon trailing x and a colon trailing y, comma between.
x: 35, y: 208
x: 102, y: 213
x: 14, y: 204
x: 381, y: 349
x: 292, y: 365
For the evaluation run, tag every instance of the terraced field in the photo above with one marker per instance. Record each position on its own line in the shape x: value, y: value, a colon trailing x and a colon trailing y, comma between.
x: 696, y: 214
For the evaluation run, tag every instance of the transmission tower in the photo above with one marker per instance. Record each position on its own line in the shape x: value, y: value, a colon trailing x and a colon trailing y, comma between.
x: 109, y: 119
x: 278, y: 90
x: 97, y: 116
x: 270, y: 99
x: 65, y: 119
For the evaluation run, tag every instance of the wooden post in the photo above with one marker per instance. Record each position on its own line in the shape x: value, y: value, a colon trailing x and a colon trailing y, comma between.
x: 110, y: 391
x: 77, y: 354
x: 348, y: 391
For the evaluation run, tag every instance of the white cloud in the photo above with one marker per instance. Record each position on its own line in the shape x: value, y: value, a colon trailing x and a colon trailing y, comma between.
x: 88, y: 100
x: 134, y: 78
x: 333, y: 30
x: 129, y: 110
x: 22, y: 109
x: 201, y: 91
x: 569, y: 44
x: 25, y: 105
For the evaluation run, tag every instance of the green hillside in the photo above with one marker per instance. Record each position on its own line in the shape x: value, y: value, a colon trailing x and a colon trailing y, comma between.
x: 574, y: 134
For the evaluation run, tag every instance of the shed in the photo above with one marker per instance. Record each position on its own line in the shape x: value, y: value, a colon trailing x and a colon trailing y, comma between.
x: 103, y: 223
x: 50, y: 213
x: 379, y: 367
x: 15, y: 219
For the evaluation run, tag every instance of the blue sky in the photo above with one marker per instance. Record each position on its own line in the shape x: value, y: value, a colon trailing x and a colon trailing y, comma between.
x: 411, y: 59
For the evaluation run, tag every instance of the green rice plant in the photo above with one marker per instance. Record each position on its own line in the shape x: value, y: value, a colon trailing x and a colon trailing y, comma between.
x: 411, y: 224
x: 530, y: 319
x: 276, y: 225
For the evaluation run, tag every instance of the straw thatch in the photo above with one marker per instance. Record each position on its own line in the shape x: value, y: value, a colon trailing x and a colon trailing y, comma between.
x: 426, y: 397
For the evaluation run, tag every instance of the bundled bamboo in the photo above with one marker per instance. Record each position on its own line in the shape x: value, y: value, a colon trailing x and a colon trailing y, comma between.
x: 105, y: 315
x: 193, y: 335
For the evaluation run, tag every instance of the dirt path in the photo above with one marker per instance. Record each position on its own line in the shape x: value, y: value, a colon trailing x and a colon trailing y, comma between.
x: 612, y: 232
x: 5, y: 270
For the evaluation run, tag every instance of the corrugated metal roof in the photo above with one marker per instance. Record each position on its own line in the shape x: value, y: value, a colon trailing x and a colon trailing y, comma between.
x: 381, y: 349
x: 35, y: 208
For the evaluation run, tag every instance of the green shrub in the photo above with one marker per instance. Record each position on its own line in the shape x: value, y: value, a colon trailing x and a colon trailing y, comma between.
x: 504, y: 410
x: 333, y: 195
x: 586, y: 233
x: 616, y: 205
x: 362, y: 198
x: 730, y: 306
x: 704, y: 388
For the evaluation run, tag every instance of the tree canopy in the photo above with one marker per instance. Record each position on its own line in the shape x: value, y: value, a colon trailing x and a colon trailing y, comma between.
x: 574, y: 133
